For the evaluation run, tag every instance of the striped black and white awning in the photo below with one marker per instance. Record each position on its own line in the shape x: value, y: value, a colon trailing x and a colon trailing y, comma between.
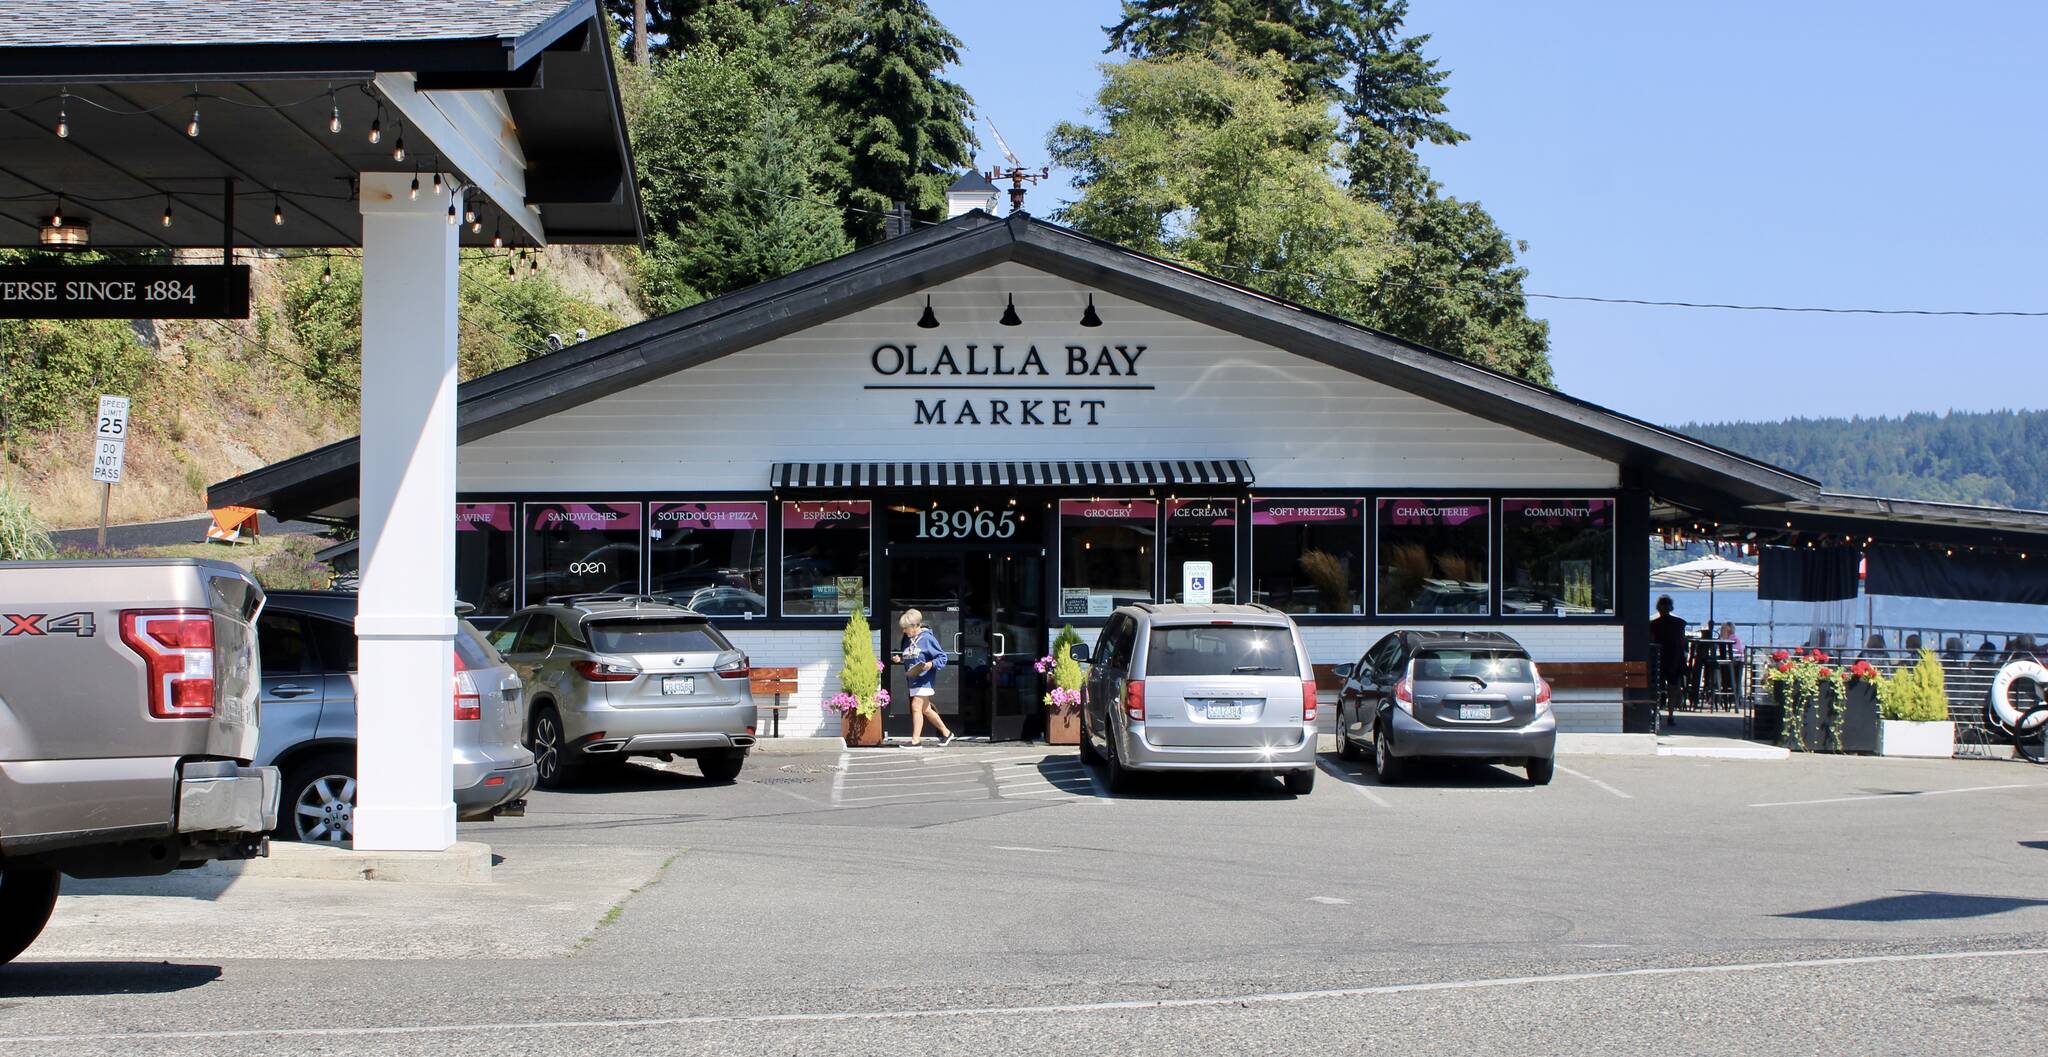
x: 1219, y: 472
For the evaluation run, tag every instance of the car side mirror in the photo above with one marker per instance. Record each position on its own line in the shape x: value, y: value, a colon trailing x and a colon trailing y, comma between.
x: 1343, y: 671
x: 1079, y: 652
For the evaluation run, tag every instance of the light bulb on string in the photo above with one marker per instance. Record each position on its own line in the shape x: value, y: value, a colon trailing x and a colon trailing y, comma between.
x: 476, y: 226
x: 57, y: 215
x: 276, y: 208
x: 377, y: 125
x: 327, y: 273
x: 533, y: 262
x: 498, y: 237
x: 437, y: 181
x: 398, y: 151
x: 167, y: 210
x: 415, y: 193
x: 469, y: 213
x: 192, y: 127
x: 64, y: 115
x: 451, y: 209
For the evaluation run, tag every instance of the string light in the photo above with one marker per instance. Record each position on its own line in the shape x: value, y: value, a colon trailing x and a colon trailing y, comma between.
x: 437, y: 181
x: 498, y: 236
x: 57, y: 215
x: 415, y: 194
x: 334, y: 121
x: 327, y: 274
x: 377, y: 125
x: 167, y: 210
x: 469, y: 213
x: 64, y: 116
x: 398, y: 149
x: 451, y: 209
x: 276, y: 208
x: 192, y: 127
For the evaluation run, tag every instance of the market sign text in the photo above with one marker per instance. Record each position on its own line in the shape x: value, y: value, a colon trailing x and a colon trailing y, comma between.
x: 1072, y: 370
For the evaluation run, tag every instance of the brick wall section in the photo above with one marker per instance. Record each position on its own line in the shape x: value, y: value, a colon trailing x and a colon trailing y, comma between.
x: 815, y: 656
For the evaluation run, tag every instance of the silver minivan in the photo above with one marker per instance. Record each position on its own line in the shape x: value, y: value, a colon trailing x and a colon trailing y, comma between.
x: 1200, y: 688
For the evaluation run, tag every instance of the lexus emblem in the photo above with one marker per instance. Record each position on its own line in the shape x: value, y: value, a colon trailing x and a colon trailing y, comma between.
x: 681, y: 661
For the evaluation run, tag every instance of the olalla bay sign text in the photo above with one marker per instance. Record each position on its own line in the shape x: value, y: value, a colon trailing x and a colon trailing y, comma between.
x: 1075, y: 369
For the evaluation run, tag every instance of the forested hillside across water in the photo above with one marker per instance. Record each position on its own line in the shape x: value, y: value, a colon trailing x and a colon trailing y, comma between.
x: 1993, y: 458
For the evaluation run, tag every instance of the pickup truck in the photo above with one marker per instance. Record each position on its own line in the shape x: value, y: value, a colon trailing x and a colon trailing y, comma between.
x: 128, y: 697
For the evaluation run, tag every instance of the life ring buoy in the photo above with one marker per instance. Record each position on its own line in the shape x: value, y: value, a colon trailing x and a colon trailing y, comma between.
x: 2002, y: 704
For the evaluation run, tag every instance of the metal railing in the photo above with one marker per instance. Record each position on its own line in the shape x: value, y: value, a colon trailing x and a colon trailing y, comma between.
x: 1966, y: 678
x: 1790, y: 635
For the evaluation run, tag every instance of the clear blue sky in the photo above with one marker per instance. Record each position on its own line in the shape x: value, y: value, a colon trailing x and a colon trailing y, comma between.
x: 1879, y: 154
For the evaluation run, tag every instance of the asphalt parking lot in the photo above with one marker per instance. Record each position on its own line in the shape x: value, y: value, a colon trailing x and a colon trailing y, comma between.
x: 992, y: 899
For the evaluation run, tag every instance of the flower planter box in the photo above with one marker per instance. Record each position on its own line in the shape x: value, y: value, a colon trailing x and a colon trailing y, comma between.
x: 859, y: 731
x: 1802, y: 730
x: 1902, y: 737
x: 1858, y: 719
x: 1768, y: 722
x: 1062, y: 727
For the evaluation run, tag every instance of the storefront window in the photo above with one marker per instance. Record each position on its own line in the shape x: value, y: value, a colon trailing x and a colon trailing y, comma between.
x: 1105, y: 554
x: 483, y: 557
x: 711, y: 557
x: 1557, y: 557
x: 1202, y: 530
x: 1308, y: 555
x: 825, y: 567
x: 1433, y: 557
x: 582, y: 548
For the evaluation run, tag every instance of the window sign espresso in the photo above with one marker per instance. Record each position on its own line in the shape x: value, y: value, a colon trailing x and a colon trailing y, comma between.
x: 985, y: 373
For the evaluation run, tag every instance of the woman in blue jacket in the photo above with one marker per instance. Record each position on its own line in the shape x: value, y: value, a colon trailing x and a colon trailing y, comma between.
x: 922, y: 657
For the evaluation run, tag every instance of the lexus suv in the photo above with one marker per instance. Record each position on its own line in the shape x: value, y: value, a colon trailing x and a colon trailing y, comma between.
x: 1472, y: 695
x: 1200, y: 688
x: 614, y: 676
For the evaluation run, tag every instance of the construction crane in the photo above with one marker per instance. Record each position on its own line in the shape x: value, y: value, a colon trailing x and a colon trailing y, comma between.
x: 1017, y: 174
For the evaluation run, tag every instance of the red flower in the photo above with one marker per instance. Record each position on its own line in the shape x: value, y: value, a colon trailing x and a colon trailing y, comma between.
x: 1827, y: 673
x: 1819, y: 657
x: 1785, y: 667
x: 1781, y: 656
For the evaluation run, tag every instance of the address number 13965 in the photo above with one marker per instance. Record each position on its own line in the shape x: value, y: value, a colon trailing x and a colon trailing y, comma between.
x: 966, y: 524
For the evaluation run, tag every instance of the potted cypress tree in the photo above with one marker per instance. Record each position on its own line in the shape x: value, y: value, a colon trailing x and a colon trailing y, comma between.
x: 1063, y: 700
x: 1915, y: 707
x: 861, y: 699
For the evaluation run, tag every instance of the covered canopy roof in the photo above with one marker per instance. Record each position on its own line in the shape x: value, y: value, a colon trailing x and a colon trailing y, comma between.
x: 516, y: 98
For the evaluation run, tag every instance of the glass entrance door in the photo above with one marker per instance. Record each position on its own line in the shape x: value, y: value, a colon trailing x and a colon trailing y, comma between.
x: 984, y: 607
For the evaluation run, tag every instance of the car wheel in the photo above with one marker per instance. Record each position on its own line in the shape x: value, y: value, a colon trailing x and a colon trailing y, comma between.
x: 1119, y: 778
x: 1386, y: 766
x: 1301, y: 782
x: 722, y: 767
x: 26, y: 898
x: 1541, y: 769
x: 319, y: 800
x: 550, y: 749
x: 1346, y: 748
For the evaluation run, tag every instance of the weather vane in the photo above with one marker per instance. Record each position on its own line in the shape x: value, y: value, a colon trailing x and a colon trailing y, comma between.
x: 1017, y: 174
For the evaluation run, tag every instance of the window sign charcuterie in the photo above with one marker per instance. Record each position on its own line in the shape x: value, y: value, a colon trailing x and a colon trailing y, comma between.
x: 1434, y: 556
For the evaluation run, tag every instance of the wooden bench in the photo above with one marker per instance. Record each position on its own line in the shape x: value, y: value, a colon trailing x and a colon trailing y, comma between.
x: 773, y: 682
x: 1597, y: 675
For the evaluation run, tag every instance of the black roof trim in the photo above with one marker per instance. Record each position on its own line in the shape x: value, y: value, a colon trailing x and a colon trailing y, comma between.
x: 1683, y: 467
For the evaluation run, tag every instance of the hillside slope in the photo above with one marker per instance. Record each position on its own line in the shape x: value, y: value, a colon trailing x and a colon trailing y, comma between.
x: 213, y: 399
x: 1993, y: 458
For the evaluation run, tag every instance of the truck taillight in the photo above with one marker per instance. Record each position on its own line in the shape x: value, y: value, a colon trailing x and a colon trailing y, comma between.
x: 1134, y: 700
x: 176, y: 646
x: 1308, y: 699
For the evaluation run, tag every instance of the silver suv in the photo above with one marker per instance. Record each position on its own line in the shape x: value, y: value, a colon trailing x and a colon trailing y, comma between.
x: 1200, y: 688
x: 613, y: 676
x: 1473, y: 695
x: 308, y: 645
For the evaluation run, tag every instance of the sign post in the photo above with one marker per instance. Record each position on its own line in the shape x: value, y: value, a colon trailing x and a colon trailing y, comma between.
x: 110, y: 447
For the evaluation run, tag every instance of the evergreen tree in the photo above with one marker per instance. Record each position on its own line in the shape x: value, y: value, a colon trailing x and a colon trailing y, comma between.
x: 904, y: 132
x: 1457, y: 287
x: 737, y: 169
x: 673, y: 26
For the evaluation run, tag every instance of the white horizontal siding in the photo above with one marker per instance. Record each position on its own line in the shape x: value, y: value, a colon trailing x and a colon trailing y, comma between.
x: 800, y: 399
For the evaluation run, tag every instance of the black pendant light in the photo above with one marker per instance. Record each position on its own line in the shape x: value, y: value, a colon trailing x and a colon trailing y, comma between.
x: 1010, y: 314
x: 1088, y: 316
x: 928, y: 321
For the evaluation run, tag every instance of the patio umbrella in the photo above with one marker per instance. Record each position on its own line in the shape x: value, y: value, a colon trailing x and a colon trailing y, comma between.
x: 1711, y: 573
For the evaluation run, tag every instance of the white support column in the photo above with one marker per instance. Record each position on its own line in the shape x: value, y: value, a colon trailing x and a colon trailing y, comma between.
x: 406, y: 615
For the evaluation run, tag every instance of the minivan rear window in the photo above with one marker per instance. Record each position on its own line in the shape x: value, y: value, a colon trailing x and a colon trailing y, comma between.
x: 1221, y: 649
x: 655, y: 636
x: 1490, y: 665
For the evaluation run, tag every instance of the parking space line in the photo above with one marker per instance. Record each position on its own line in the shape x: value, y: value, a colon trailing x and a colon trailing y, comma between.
x: 839, y: 776
x: 953, y: 794
x: 1596, y: 781
x: 862, y: 787
x: 1344, y: 777
x: 1903, y: 793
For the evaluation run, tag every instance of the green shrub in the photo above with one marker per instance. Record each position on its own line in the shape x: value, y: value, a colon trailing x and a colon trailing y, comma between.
x: 22, y: 537
x: 860, y: 673
x: 293, y: 568
x: 51, y: 370
x: 1918, y: 694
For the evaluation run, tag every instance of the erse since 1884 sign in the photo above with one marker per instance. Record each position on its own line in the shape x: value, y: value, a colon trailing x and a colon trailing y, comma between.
x: 93, y: 291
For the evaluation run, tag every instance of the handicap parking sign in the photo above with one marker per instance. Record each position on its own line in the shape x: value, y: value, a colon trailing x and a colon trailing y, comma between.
x: 1195, y: 587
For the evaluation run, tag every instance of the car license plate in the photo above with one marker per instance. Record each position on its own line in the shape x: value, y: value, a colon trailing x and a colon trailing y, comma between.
x: 1475, y: 711
x: 678, y: 684
x: 1224, y: 710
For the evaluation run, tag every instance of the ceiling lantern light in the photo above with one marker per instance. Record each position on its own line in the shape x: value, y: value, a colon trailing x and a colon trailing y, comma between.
x: 930, y: 320
x: 1088, y: 316
x: 1010, y: 318
x: 60, y: 232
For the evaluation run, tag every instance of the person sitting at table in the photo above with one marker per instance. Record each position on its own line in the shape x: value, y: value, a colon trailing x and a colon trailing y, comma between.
x: 1952, y: 649
x: 1873, y: 648
x: 1733, y: 640
x: 1913, y: 646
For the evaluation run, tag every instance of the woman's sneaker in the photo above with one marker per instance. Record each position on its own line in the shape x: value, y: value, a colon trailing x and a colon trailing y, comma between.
x: 945, y: 741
